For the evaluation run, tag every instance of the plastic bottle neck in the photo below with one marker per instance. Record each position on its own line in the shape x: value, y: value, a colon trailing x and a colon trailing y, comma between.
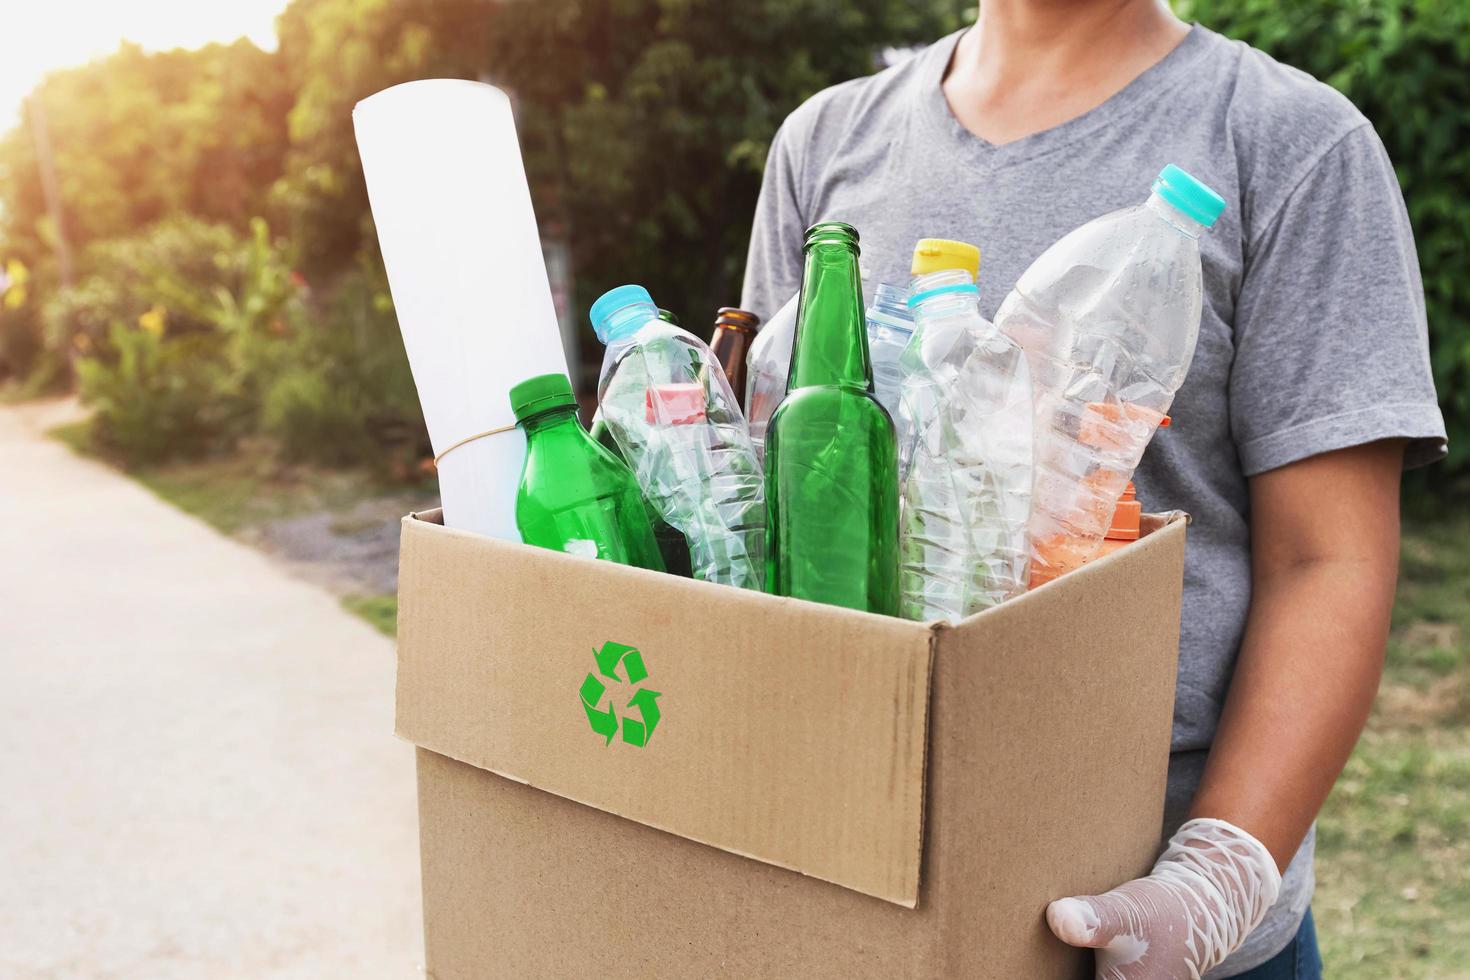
x: 891, y: 308
x: 831, y: 326
x: 943, y: 293
x: 623, y: 322
x: 1176, y: 218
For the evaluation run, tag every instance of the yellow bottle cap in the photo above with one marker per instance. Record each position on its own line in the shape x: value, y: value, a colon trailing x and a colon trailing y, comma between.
x: 939, y: 255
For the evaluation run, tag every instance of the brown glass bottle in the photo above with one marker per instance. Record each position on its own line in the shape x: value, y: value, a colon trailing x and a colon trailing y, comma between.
x: 734, y: 331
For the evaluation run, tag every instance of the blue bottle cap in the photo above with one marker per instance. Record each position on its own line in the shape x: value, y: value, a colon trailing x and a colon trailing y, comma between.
x: 1189, y: 195
x: 610, y: 302
x: 959, y: 287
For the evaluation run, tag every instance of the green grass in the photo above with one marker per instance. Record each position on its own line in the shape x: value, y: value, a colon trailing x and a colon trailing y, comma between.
x: 250, y: 487
x: 1393, y: 895
x: 247, y: 487
x: 76, y: 435
x: 381, y: 611
x: 47, y: 378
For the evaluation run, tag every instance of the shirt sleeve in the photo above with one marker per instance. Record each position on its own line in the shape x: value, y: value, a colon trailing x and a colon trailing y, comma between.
x: 1331, y: 342
x: 773, y: 267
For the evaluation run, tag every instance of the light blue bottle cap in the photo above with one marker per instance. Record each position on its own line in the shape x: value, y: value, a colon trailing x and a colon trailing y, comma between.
x: 610, y: 302
x: 1189, y: 195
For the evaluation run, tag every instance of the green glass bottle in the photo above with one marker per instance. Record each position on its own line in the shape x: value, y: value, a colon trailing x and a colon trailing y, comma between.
x: 574, y: 495
x: 831, y: 452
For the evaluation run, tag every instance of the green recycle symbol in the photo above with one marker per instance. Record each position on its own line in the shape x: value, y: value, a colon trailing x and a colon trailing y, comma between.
x: 604, y: 721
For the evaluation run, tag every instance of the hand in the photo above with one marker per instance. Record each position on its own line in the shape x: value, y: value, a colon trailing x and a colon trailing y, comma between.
x: 1210, y: 888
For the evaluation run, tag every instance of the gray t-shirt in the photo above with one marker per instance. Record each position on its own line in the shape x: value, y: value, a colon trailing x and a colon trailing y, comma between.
x: 1313, y: 336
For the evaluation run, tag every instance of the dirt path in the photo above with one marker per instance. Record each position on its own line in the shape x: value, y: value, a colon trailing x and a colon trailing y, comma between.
x: 199, y: 772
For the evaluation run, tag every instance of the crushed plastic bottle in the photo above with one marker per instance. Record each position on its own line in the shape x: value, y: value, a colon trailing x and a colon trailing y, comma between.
x: 671, y: 543
x: 768, y: 366
x: 967, y: 464
x: 666, y: 402
x: 890, y: 326
x: 1108, y: 317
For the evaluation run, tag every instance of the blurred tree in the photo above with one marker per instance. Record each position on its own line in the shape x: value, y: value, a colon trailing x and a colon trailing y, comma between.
x: 135, y: 138
x: 186, y: 325
x: 138, y: 136
x: 647, y: 122
x: 334, y: 53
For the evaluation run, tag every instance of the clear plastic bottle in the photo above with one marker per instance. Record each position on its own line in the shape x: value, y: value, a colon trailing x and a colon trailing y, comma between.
x: 930, y: 255
x: 967, y: 467
x: 768, y: 367
x: 890, y: 325
x: 665, y: 399
x: 1108, y: 317
x: 671, y: 543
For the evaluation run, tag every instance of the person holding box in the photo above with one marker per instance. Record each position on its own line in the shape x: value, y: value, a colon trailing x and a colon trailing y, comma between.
x: 1310, y: 391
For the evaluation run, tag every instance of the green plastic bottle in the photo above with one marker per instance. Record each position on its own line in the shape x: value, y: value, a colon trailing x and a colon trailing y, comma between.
x: 574, y: 495
x: 831, y: 452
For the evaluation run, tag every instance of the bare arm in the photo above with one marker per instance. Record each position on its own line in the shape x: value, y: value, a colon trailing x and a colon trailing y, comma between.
x: 1324, y: 542
x: 1324, y: 537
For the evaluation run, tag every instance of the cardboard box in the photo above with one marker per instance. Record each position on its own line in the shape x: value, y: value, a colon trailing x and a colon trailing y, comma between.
x: 628, y: 774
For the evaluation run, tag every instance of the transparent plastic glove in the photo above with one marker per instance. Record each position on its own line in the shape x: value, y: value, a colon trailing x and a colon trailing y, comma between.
x: 1210, y: 888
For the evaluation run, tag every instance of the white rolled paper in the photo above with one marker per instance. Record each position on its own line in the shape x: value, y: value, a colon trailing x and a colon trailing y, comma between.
x: 460, y: 242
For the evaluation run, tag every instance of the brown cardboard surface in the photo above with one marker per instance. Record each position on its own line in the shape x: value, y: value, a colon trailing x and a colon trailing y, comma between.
x: 1048, y: 730
x: 788, y: 732
x: 520, y: 883
x: 1050, y: 721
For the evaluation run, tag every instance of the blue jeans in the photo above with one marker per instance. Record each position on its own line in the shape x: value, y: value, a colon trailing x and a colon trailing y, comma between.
x: 1298, y: 961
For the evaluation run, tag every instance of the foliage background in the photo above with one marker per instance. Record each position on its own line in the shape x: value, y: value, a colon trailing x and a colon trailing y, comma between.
x: 645, y: 123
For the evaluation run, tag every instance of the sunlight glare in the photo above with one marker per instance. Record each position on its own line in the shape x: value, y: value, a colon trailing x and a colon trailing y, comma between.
x: 36, y: 38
